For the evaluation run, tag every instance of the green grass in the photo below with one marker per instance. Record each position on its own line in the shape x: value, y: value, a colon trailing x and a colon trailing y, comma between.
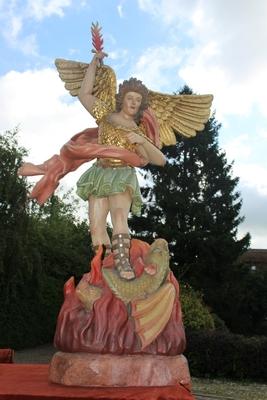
x: 234, y: 390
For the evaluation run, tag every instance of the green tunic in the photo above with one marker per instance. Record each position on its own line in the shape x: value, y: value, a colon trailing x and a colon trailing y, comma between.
x: 104, y: 182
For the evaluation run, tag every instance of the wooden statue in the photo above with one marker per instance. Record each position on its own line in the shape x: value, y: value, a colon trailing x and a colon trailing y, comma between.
x: 128, y: 304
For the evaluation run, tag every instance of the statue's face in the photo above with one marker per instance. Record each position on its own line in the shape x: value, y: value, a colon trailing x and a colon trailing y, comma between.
x: 131, y: 103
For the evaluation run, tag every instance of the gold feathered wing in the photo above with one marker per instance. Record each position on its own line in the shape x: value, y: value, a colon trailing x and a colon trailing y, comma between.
x: 73, y: 72
x: 185, y: 114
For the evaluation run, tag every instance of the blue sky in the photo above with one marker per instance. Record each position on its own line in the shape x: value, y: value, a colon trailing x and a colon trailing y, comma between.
x: 214, y: 46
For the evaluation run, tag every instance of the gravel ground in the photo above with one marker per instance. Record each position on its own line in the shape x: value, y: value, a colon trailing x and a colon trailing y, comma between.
x: 37, y: 355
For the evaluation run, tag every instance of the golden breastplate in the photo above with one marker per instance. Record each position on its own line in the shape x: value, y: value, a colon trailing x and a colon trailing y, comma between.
x: 112, y: 135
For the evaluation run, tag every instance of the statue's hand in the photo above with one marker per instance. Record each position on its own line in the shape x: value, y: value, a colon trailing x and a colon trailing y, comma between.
x: 98, y: 57
x: 134, y: 138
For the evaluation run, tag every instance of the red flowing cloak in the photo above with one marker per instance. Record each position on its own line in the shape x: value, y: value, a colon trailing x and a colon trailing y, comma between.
x: 81, y: 148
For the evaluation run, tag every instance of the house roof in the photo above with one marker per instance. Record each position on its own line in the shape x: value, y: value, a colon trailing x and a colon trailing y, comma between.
x: 254, y: 256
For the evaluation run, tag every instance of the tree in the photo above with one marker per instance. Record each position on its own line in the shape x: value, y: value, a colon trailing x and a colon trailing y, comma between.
x: 15, y: 268
x: 13, y: 212
x: 62, y: 240
x: 40, y: 248
x: 193, y: 203
x: 247, y: 297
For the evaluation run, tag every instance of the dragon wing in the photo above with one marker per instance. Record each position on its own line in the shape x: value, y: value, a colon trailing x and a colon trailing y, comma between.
x: 185, y: 114
x: 73, y: 72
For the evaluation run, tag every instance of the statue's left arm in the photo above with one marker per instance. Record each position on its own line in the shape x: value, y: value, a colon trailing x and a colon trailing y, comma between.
x: 147, y: 150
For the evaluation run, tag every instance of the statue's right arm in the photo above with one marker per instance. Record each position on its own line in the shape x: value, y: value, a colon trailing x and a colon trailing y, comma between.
x: 85, y: 94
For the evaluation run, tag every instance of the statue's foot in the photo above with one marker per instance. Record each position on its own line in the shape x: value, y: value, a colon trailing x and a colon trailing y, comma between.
x: 120, y: 247
x: 126, y: 272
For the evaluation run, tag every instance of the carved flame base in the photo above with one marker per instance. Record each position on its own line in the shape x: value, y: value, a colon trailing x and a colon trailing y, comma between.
x: 107, y: 370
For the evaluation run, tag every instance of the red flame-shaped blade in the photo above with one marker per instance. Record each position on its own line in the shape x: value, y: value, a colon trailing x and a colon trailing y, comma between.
x: 97, y: 40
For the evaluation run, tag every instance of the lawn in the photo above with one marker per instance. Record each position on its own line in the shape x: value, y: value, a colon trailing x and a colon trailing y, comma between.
x: 230, y: 389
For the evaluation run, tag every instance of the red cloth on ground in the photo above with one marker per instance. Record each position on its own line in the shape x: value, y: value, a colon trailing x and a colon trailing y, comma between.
x: 25, y: 381
x: 6, y: 355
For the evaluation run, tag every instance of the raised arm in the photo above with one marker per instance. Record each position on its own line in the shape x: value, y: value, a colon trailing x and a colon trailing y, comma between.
x: 85, y: 94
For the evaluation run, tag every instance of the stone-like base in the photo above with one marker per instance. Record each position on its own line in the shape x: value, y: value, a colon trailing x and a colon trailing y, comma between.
x: 85, y: 369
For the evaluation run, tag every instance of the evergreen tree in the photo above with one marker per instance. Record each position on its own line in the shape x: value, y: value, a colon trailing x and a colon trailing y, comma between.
x: 193, y: 203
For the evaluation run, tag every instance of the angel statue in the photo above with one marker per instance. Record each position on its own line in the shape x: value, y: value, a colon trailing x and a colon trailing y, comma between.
x: 133, y: 125
x: 128, y: 303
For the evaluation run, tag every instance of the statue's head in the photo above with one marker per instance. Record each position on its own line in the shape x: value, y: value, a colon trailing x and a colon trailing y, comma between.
x: 133, y: 85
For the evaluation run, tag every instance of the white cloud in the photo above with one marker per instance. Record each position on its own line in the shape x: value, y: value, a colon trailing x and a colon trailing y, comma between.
x: 15, y: 26
x: 119, y: 54
x: 14, y: 14
x: 254, y: 211
x: 259, y: 241
x: 252, y: 175
x: 120, y: 10
x: 227, y: 54
x: 263, y: 134
x: 28, y: 45
x: 169, y: 11
x: 153, y: 64
x: 119, y: 58
x: 40, y: 9
x: 73, y: 51
x: 239, y: 147
x: 12, y: 27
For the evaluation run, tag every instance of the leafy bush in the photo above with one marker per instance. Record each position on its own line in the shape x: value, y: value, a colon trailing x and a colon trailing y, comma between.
x: 40, y: 248
x: 196, y: 315
x: 220, y: 354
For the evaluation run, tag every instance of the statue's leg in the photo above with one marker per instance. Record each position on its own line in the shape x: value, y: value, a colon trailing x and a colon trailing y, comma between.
x: 98, y: 211
x: 119, y: 206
